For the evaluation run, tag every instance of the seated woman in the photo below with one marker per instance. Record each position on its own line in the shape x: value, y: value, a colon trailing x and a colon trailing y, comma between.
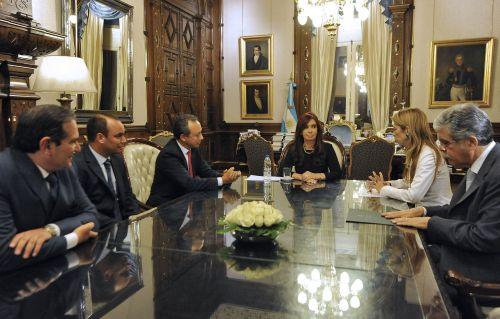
x: 313, y: 159
x: 426, y: 178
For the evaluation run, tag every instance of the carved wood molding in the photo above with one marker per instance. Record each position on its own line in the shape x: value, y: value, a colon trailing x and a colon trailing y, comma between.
x: 401, y: 48
x: 302, y: 64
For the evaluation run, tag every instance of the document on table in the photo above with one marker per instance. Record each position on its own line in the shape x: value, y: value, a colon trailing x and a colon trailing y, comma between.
x: 363, y: 192
x: 256, y: 178
x: 366, y: 217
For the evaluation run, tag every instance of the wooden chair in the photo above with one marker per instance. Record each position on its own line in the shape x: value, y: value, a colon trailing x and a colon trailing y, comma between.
x: 162, y: 138
x: 373, y: 154
x: 140, y: 158
x: 256, y: 149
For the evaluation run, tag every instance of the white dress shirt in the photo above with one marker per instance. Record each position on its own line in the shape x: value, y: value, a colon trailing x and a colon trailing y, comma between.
x: 101, y: 159
x: 185, y: 152
x: 71, y: 238
x: 476, y: 166
x: 425, y: 189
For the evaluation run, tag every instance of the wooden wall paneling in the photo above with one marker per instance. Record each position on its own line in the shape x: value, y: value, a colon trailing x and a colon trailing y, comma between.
x: 402, y: 25
x: 302, y: 65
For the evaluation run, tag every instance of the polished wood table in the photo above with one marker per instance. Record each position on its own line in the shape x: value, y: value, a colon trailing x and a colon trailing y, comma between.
x: 171, y: 263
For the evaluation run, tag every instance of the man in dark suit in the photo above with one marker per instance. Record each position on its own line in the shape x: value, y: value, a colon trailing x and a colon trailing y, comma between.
x: 102, y: 172
x: 43, y: 209
x: 257, y: 61
x: 180, y: 168
x: 472, y: 219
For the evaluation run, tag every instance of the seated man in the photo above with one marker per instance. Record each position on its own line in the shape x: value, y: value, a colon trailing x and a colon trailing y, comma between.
x: 472, y: 219
x: 102, y: 172
x: 180, y: 168
x: 43, y: 209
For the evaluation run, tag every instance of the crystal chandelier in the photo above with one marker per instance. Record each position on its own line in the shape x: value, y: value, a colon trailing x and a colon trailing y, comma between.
x: 359, y: 69
x: 331, y: 13
x: 326, y: 294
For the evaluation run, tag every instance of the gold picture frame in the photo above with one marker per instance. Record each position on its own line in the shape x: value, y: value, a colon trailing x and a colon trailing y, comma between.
x: 254, y: 190
x: 256, y: 55
x: 257, y: 99
x: 460, y: 72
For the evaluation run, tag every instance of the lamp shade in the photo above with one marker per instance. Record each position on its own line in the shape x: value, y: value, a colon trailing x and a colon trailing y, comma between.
x: 63, y: 74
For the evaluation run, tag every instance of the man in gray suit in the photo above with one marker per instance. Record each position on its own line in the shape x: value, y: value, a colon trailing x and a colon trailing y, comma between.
x: 472, y: 219
x: 43, y: 209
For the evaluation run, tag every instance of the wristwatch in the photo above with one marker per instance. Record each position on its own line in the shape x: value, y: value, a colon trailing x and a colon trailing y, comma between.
x: 52, y: 229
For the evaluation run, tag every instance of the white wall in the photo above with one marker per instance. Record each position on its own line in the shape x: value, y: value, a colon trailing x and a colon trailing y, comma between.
x: 256, y: 17
x: 48, y: 13
x: 436, y: 20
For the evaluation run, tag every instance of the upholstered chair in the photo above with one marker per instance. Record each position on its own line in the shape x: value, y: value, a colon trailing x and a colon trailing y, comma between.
x: 162, y: 138
x: 256, y: 149
x: 337, y: 146
x: 373, y: 154
x: 342, y: 130
x: 140, y: 158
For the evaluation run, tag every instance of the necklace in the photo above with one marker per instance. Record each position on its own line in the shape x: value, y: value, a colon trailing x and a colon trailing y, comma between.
x: 306, y: 150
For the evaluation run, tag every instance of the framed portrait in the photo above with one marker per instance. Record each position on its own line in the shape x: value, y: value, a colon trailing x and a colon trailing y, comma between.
x: 254, y: 190
x: 257, y: 99
x: 256, y: 55
x: 461, y: 71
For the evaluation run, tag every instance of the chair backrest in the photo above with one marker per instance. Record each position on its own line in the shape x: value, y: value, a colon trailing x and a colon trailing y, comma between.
x: 342, y: 130
x: 373, y: 154
x: 162, y: 138
x: 338, y: 148
x: 140, y: 158
x: 256, y: 149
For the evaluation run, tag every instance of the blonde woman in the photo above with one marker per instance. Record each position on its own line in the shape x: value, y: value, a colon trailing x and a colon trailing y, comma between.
x: 426, y: 178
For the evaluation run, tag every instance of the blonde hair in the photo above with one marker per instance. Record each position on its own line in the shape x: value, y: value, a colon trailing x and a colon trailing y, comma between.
x: 419, y: 134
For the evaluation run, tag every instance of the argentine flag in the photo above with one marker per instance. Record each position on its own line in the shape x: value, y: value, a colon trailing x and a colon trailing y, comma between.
x: 289, y: 121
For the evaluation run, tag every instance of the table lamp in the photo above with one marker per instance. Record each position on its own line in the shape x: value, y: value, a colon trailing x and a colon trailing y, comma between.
x: 65, y: 74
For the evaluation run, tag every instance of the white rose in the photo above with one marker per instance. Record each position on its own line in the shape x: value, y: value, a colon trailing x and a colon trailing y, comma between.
x: 246, y: 220
x: 259, y: 221
x: 269, y: 220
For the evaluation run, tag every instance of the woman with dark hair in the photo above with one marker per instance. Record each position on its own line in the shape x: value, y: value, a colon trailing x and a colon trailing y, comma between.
x: 310, y: 158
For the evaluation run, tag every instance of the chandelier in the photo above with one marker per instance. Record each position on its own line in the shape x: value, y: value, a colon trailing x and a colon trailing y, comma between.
x: 326, y: 294
x: 331, y: 13
x: 359, y: 69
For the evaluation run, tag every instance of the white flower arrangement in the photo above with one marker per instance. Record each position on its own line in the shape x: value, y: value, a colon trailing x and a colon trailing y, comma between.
x: 256, y: 219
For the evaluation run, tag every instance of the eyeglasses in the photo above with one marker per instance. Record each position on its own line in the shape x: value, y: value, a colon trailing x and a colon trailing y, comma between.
x: 445, y: 144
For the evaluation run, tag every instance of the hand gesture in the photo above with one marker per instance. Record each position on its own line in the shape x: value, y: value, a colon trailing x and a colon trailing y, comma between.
x: 84, y: 232
x: 377, y: 181
x: 30, y: 241
x: 230, y: 175
x: 413, y: 212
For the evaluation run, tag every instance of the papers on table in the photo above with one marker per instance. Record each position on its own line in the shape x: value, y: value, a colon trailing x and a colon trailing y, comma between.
x: 256, y: 178
x: 363, y: 192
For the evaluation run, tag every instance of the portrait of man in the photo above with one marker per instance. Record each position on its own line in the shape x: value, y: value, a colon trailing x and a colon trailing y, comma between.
x: 256, y: 99
x: 255, y: 55
x: 257, y: 61
x: 461, y: 72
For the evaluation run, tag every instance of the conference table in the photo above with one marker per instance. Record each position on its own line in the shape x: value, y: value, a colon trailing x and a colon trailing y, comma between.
x: 171, y: 262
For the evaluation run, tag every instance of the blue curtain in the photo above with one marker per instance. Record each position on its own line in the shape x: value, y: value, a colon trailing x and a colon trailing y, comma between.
x: 387, y: 12
x: 98, y: 9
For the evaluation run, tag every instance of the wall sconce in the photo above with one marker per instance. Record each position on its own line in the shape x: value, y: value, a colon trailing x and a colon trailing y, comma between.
x: 65, y: 74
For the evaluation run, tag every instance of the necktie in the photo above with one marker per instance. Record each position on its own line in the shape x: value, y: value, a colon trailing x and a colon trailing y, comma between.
x: 190, y: 164
x: 107, y: 166
x: 116, y: 210
x: 54, y: 189
x: 469, y: 179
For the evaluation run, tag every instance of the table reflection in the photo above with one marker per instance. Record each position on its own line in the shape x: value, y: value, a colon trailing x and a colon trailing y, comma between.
x: 171, y: 262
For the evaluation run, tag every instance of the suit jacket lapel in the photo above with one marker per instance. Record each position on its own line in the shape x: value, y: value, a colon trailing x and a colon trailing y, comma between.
x: 485, y: 169
x: 181, y: 154
x: 33, y: 178
x: 94, y: 166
